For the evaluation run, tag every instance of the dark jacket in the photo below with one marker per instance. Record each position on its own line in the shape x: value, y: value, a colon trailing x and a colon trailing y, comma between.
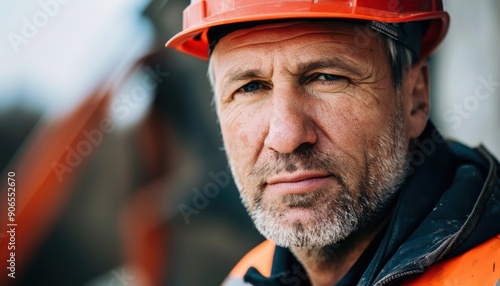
x: 449, y: 204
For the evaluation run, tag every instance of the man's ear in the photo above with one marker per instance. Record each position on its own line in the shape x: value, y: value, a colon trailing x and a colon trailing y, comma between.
x: 415, y: 90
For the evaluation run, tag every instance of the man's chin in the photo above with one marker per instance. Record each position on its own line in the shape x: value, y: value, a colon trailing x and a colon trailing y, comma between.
x: 298, y: 227
x: 303, y: 226
x: 298, y: 216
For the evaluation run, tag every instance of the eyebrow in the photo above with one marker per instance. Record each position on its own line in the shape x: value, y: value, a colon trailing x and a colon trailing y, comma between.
x: 336, y: 62
x: 239, y: 74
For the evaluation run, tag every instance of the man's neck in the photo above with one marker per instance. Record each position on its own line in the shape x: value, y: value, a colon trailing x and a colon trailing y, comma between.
x: 326, y: 265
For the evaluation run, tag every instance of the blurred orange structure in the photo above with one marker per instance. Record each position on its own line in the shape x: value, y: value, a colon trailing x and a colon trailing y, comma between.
x: 46, y: 168
x: 40, y: 193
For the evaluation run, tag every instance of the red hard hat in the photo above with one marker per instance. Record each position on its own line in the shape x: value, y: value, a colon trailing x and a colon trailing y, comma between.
x: 201, y: 15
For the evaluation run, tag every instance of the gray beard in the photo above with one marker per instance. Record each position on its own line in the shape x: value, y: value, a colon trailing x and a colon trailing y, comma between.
x: 334, y: 218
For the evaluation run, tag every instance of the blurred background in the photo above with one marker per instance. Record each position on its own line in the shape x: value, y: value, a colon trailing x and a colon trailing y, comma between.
x: 121, y: 178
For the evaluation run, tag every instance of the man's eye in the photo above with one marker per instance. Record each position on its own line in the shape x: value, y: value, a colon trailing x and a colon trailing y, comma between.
x: 324, y: 82
x: 251, y: 87
x: 329, y: 77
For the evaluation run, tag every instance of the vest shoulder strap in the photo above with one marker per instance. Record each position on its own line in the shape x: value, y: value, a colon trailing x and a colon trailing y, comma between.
x: 261, y: 257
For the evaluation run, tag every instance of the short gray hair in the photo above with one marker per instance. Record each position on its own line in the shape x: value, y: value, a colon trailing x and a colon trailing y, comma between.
x: 400, y: 60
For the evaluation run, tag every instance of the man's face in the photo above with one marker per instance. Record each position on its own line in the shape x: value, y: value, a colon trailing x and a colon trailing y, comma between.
x: 312, y: 126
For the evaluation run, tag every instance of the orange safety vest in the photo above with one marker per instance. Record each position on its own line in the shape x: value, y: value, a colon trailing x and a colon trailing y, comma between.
x: 478, y: 266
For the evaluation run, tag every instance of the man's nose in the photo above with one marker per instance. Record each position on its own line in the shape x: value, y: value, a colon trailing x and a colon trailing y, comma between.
x: 290, y: 124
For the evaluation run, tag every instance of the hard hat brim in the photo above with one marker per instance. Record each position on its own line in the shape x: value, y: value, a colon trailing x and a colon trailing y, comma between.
x: 193, y: 40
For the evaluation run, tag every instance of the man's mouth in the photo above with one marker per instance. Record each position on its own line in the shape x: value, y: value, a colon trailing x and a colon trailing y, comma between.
x: 299, y: 182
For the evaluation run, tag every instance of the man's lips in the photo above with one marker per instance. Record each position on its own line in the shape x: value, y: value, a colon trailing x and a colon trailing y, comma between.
x: 297, y: 183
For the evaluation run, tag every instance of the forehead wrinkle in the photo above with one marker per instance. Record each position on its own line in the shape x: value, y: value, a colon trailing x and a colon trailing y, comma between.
x: 340, y: 43
x: 270, y: 38
x: 345, y: 47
